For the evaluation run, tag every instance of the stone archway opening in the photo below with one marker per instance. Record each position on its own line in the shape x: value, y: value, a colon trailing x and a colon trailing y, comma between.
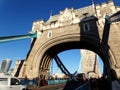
x: 76, y: 63
x: 56, y: 49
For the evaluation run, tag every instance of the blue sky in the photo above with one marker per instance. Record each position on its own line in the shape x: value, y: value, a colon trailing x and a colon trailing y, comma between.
x: 17, y: 16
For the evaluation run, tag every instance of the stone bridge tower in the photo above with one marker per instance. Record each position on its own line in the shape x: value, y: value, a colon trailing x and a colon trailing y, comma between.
x: 89, y: 64
x: 74, y: 29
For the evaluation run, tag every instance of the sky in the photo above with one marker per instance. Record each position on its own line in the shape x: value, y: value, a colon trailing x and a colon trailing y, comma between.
x: 17, y: 17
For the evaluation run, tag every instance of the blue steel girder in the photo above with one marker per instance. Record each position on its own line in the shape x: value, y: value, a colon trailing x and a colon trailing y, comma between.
x: 113, y: 18
x: 18, y: 37
x: 61, y: 66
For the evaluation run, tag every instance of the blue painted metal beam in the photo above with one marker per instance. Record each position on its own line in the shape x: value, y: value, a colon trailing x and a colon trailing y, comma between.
x: 18, y: 37
x: 113, y: 18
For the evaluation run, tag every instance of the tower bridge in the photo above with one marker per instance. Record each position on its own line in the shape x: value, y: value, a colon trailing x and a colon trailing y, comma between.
x: 75, y: 29
x: 84, y: 28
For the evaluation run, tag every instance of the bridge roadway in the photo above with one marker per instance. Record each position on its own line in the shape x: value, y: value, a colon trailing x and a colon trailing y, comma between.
x: 49, y: 87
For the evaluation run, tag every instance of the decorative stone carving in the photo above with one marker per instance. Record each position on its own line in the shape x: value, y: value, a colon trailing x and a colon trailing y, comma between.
x: 66, y: 16
x: 105, y: 11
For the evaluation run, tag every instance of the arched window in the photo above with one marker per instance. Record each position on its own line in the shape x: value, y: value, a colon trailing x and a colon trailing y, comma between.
x: 49, y: 34
x: 86, y: 27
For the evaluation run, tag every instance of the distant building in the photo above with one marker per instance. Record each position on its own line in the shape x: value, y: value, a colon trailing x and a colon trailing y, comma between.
x: 19, y: 68
x: 58, y: 75
x: 90, y: 64
x: 5, y: 65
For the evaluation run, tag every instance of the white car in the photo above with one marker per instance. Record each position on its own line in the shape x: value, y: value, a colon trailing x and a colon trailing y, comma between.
x: 11, y: 83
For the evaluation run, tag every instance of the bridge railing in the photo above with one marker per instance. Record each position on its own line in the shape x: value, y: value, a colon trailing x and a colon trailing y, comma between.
x: 58, y: 81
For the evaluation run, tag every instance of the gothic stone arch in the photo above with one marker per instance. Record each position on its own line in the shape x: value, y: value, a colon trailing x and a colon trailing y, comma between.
x: 71, y: 29
x: 43, y: 51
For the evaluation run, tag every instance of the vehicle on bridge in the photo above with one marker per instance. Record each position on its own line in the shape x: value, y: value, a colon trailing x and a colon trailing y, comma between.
x: 11, y: 83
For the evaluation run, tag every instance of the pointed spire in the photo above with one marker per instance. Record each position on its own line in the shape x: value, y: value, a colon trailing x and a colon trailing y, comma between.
x: 51, y: 13
x: 93, y: 3
x: 110, y: 1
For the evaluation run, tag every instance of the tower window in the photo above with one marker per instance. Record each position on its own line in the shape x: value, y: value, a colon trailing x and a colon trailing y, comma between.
x: 86, y: 27
x: 49, y: 34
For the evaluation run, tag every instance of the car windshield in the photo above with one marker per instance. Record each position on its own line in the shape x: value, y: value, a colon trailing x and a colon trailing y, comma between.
x: 3, y: 81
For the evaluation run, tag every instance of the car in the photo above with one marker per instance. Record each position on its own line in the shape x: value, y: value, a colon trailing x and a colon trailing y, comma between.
x: 11, y: 83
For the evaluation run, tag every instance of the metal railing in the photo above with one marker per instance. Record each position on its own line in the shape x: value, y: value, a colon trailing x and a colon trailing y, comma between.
x: 59, y: 81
